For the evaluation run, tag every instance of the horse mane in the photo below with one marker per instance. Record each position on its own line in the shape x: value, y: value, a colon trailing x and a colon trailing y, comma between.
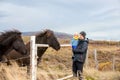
x: 6, y: 34
x: 48, y: 33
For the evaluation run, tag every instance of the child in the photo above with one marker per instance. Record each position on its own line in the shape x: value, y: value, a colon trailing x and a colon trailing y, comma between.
x: 74, y: 43
x: 74, y: 40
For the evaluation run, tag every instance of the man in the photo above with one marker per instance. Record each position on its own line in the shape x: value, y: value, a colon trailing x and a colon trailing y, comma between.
x: 79, y: 55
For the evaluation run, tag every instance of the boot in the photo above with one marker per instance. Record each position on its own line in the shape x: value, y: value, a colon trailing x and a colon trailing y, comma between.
x: 74, y: 74
x: 79, y: 74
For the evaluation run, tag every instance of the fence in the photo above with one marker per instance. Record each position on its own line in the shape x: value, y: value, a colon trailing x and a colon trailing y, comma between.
x: 113, y: 60
x: 33, y: 58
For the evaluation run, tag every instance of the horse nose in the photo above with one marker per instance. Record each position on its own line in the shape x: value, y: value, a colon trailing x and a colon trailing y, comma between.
x: 58, y: 47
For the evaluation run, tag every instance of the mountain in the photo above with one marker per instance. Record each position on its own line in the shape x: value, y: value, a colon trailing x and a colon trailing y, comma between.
x: 60, y: 35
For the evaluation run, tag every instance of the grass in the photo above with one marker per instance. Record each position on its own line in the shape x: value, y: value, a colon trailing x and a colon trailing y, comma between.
x: 92, y: 74
x: 58, y: 64
x: 13, y: 72
x: 48, y: 73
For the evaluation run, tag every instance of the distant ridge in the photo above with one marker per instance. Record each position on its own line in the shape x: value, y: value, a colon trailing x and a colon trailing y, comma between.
x: 30, y: 33
x: 60, y: 35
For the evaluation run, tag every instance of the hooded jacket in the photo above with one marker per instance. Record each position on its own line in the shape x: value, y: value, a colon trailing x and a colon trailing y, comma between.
x: 79, y: 53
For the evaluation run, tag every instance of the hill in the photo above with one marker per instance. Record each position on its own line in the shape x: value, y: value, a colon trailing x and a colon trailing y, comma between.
x: 58, y: 34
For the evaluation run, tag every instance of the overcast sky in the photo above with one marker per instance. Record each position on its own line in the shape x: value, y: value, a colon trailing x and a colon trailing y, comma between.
x: 99, y: 18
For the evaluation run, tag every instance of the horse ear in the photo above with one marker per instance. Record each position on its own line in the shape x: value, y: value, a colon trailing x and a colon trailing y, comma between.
x: 49, y: 33
x: 19, y: 33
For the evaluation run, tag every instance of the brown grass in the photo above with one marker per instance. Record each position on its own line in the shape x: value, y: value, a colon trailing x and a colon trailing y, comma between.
x: 92, y: 74
x: 13, y: 72
x: 57, y: 64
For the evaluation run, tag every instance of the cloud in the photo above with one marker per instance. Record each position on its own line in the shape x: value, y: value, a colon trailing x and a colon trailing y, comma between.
x: 105, y: 35
x: 3, y: 14
x: 97, y: 18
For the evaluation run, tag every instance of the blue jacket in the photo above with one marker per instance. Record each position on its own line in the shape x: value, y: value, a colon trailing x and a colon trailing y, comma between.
x: 79, y: 53
x: 74, y: 43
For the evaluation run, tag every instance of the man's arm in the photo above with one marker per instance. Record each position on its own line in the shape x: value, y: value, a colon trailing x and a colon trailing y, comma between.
x: 81, y: 50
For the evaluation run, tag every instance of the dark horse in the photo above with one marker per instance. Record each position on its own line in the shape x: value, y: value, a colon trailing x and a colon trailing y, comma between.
x: 45, y: 37
x: 10, y: 40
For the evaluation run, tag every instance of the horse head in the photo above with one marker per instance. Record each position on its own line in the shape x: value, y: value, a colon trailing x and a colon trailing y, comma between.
x: 13, y: 40
x: 19, y: 45
x: 48, y: 37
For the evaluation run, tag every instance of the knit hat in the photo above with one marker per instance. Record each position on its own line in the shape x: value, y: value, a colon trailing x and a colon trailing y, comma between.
x: 83, y: 33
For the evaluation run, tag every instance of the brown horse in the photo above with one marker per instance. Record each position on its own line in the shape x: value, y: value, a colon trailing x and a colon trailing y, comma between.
x: 10, y: 40
x: 45, y: 37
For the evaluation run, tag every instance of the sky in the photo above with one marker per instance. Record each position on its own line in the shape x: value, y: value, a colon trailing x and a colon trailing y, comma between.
x: 100, y: 19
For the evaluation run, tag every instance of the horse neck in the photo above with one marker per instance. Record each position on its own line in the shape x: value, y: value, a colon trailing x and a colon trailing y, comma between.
x: 41, y: 50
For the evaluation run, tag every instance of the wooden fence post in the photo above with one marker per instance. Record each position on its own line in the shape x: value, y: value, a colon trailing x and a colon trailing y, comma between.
x: 113, y: 67
x: 33, y: 59
x: 96, y: 61
x: 86, y: 62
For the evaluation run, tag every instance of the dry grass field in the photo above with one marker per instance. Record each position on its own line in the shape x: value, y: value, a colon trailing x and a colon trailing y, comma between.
x: 57, y: 64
